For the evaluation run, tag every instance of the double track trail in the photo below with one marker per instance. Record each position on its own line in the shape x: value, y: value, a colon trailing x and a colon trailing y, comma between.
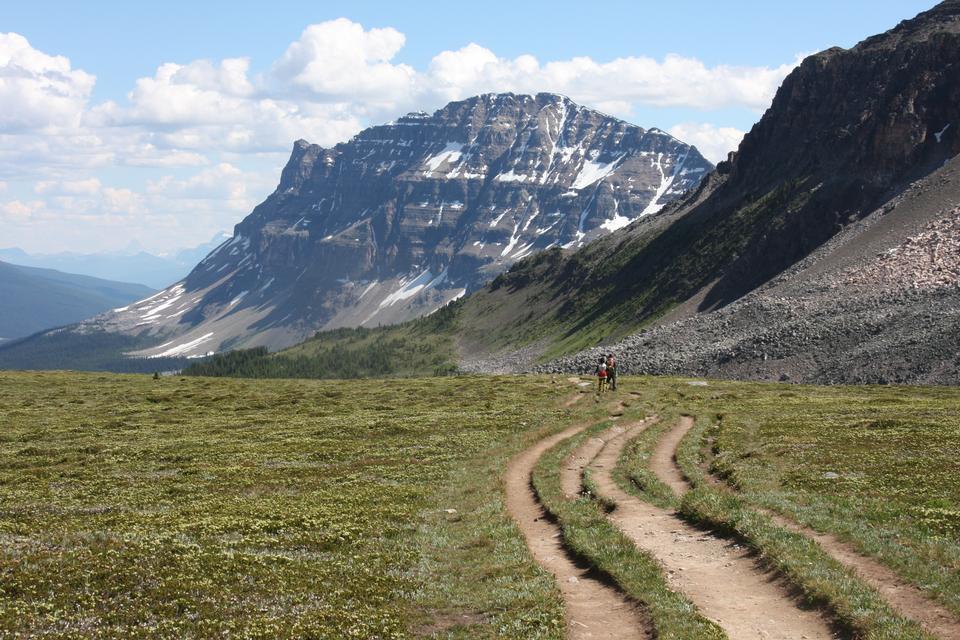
x: 594, y: 610
x: 725, y: 583
x: 720, y: 577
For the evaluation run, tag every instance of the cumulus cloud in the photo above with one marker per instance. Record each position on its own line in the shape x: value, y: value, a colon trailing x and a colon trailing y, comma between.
x: 334, y: 79
x: 39, y: 91
x: 208, y: 107
x: 197, y: 93
x: 48, y: 128
x: 80, y: 199
x: 88, y: 187
x: 170, y: 212
x: 17, y: 211
x: 224, y: 184
x: 713, y: 142
x: 123, y: 201
x: 616, y: 86
x: 148, y: 155
x: 339, y: 61
x: 338, y: 77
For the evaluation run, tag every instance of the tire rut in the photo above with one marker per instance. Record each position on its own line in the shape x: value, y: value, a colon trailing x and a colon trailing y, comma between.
x: 594, y: 610
x: 903, y: 597
x: 719, y: 576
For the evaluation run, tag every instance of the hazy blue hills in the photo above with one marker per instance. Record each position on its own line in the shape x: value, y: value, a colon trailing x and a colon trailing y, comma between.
x: 132, y: 265
x: 37, y: 299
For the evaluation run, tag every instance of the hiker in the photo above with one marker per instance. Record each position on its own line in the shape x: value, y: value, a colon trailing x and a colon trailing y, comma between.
x: 601, y: 374
x: 612, y: 371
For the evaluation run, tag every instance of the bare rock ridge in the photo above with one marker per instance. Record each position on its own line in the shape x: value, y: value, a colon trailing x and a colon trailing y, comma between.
x: 846, y: 131
x: 409, y: 215
x: 847, y: 197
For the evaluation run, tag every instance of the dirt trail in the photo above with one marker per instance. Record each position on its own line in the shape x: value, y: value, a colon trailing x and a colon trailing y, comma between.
x: 572, y: 400
x: 594, y: 610
x: 663, y: 463
x: 571, y: 477
x: 720, y: 577
x: 905, y: 598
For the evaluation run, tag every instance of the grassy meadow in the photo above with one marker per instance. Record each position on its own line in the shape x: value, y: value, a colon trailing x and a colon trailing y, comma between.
x: 197, y: 507
x: 219, y: 507
x: 878, y: 466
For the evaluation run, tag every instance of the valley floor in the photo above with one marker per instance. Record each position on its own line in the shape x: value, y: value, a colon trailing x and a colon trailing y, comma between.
x: 202, y: 507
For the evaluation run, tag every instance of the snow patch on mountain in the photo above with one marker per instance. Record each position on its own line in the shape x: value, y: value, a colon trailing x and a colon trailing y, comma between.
x: 184, y: 348
x: 593, y: 171
x: 939, y: 134
x: 450, y: 154
x: 408, y: 289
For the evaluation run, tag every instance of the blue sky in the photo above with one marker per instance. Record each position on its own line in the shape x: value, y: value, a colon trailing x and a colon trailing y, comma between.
x: 131, y: 147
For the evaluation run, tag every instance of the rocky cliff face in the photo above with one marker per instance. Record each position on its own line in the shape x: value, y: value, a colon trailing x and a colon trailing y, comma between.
x: 846, y: 131
x: 407, y: 216
x: 843, y: 203
x: 878, y: 303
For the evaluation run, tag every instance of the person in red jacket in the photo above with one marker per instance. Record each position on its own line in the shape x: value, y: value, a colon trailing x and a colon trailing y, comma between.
x: 601, y: 374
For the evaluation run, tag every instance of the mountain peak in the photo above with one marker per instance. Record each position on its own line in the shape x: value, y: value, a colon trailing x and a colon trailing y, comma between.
x: 941, y: 19
x: 407, y: 216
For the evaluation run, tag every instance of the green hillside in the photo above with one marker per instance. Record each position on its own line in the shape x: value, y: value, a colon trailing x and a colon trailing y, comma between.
x: 417, y: 348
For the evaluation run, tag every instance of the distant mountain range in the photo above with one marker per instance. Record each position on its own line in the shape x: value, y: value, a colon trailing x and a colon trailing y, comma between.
x: 37, y: 299
x: 134, y: 265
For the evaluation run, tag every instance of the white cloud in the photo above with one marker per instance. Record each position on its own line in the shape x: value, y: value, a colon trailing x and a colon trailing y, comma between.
x: 17, y: 211
x: 123, y: 201
x: 197, y: 93
x: 169, y: 213
x: 334, y: 79
x: 148, y: 155
x: 40, y: 154
x: 713, y: 142
x: 39, y: 91
x: 616, y: 86
x: 202, y: 107
x: 3, y: 186
x: 338, y: 77
x: 339, y: 60
x: 224, y: 184
x: 89, y: 186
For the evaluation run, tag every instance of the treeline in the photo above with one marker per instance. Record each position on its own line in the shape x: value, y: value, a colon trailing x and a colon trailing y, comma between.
x: 422, y: 347
x: 380, y: 357
x: 92, y: 351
